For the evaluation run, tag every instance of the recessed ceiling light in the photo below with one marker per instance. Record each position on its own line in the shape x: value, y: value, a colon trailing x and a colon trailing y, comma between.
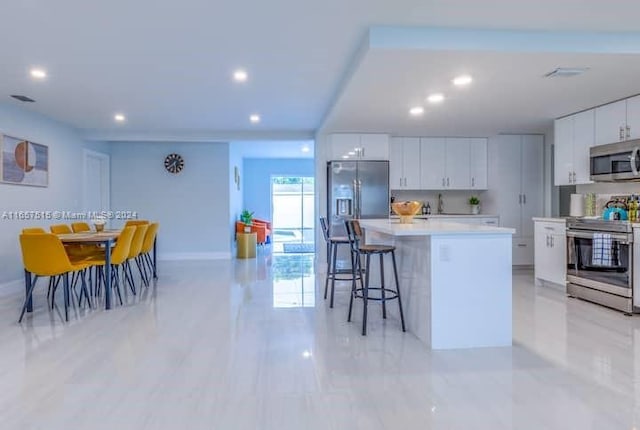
x: 352, y: 152
x: 435, y: 98
x: 305, y: 148
x: 119, y: 117
x: 462, y: 80
x: 255, y: 118
x: 416, y: 110
x: 38, y: 73
x: 240, y: 75
x: 345, y: 156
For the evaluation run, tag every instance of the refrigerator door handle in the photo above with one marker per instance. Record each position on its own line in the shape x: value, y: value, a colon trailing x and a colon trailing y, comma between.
x: 355, y: 198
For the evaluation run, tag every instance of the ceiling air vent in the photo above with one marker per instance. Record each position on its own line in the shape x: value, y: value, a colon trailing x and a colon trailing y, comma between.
x: 566, y: 72
x: 23, y: 98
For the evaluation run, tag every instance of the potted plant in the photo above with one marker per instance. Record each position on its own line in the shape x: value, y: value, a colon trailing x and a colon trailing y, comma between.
x: 247, y: 218
x: 474, y: 201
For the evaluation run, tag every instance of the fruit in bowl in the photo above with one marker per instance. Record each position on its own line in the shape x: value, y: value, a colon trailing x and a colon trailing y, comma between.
x: 406, y: 210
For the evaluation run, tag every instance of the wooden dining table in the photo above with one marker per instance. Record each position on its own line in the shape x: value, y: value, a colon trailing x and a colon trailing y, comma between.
x: 106, y: 238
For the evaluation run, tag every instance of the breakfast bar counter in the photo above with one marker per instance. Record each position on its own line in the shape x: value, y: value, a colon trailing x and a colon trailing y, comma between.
x: 455, y: 280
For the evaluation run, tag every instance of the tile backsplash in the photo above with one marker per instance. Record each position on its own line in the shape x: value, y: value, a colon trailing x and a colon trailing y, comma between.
x: 604, y: 191
x: 453, y: 201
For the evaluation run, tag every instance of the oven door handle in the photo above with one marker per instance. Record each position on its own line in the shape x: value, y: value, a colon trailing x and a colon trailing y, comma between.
x: 634, y: 157
x: 622, y: 238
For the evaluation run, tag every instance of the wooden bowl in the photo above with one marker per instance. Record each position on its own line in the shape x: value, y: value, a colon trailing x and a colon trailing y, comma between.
x: 406, y: 210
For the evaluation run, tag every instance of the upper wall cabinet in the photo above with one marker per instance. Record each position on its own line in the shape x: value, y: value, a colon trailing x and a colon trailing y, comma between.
x: 619, y: 121
x: 453, y: 163
x: 611, y: 123
x: 404, y: 163
x: 478, y: 163
x: 573, y: 136
x: 357, y: 146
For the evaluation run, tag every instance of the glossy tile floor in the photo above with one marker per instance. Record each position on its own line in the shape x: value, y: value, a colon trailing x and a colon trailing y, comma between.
x: 252, y: 345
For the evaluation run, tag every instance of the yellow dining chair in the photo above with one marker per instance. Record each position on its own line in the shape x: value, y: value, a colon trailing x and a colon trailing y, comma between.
x: 119, y: 255
x: 33, y: 230
x: 60, y: 229
x: 134, y: 252
x: 147, y: 247
x: 53, y: 280
x: 79, y: 227
x: 136, y: 222
x: 44, y: 255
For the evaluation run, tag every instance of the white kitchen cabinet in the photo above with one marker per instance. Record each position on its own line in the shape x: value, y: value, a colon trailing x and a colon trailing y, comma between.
x: 611, y: 122
x: 404, y: 163
x: 453, y: 163
x: 551, y: 252
x: 432, y: 164
x: 573, y: 136
x: 516, y: 188
x: 563, y: 151
x: 457, y: 164
x: 356, y: 146
x: 478, y: 163
x: 633, y: 117
x: 583, y: 140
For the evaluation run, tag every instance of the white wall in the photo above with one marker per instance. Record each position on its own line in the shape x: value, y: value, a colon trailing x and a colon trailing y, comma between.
x: 64, y: 192
x: 192, y: 207
x: 235, y: 190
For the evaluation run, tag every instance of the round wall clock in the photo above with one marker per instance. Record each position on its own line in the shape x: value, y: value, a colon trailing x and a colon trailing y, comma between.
x: 174, y: 163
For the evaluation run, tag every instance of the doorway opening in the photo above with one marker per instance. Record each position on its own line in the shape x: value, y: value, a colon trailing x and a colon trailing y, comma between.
x: 293, y: 214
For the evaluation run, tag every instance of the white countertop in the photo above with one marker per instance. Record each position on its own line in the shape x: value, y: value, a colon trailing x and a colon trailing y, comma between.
x: 421, y: 227
x: 550, y: 219
x: 450, y: 216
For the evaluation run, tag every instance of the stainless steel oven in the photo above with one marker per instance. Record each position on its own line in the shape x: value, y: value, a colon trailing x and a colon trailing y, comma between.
x: 600, y: 262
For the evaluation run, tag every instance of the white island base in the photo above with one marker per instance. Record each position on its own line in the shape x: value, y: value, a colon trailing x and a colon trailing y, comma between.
x: 455, y: 280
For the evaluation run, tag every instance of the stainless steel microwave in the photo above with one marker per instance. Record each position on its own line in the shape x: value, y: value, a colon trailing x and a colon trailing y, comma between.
x: 615, y: 162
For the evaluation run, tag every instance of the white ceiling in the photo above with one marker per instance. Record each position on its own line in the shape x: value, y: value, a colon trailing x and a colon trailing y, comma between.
x: 167, y: 65
x: 509, y: 92
x: 274, y: 149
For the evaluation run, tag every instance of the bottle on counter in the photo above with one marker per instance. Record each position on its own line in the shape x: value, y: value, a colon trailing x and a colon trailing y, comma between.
x: 426, y: 209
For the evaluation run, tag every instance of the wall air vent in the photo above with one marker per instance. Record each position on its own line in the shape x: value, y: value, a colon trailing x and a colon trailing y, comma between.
x: 566, y: 72
x: 23, y: 98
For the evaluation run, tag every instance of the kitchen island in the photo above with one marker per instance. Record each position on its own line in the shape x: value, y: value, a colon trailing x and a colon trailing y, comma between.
x: 455, y: 280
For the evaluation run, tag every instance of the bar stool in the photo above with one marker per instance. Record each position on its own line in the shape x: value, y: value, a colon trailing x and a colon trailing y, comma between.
x: 333, y: 273
x: 354, y: 234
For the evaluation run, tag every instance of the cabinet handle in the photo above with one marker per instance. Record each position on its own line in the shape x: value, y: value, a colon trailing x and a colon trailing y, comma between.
x: 574, y: 177
x: 400, y: 181
x: 621, y: 133
x: 628, y: 132
x: 548, y: 241
x: 522, y: 245
x: 447, y: 182
x: 551, y: 237
x: 569, y: 177
x: 405, y: 182
x: 519, y: 199
x: 524, y: 199
x: 363, y: 151
x: 473, y: 182
x: 443, y: 182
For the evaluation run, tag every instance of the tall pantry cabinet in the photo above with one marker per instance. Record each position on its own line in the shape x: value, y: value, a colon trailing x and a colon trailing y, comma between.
x: 516, y: 188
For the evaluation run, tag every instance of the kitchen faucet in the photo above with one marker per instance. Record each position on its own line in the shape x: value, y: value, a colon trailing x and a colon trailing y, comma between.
x: 440, y: 204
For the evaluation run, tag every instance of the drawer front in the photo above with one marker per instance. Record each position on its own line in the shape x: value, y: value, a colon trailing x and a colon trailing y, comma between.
x: 550, y: 228
x: 523, y: 251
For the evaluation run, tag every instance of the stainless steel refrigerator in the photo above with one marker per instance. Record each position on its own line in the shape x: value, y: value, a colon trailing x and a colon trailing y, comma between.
x: 356, y: 189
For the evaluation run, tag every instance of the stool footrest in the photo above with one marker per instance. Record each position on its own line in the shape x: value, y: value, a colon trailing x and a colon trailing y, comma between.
x: 358, y: 294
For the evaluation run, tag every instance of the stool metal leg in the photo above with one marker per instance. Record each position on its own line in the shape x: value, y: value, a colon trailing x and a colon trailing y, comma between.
x: 395, y: 274
x: 333, y: 273
x: 365, y: 296
x: 326, y: 281
x: 354, y: 267
x: 384, y: 302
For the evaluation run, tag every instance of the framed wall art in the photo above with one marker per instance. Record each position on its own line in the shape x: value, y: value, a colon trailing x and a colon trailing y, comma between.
x: 23, y: 162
